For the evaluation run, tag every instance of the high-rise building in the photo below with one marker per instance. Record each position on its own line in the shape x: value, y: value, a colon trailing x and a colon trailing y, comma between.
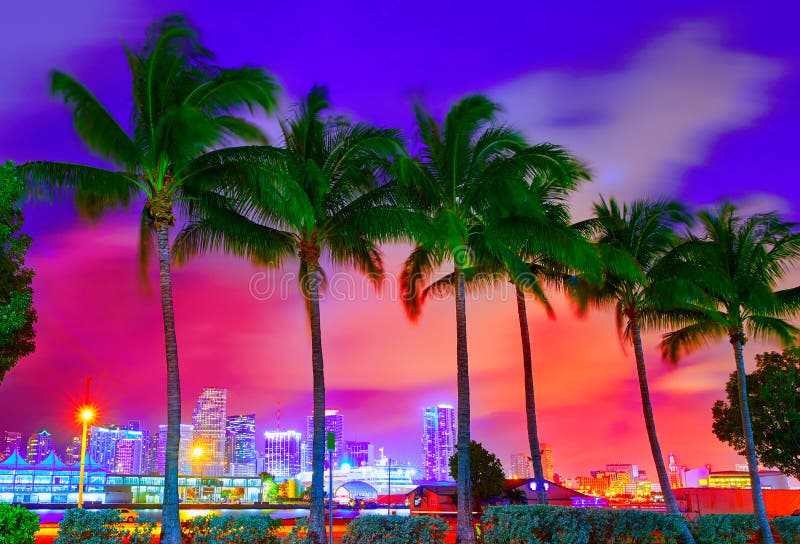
x: 39, y: 447
x: 438, y: 442
x: 128, y: 455
x: 241, y: 445
x: 358, y: 454
x: 102, y: 448
x: 209, y: 420
x: 334, y: 423
x: 632, y: 469
x: 184, y: 449
x: 675, y: 473
x: 547, y: 461
x: 72, y: 452
x: 282, y: 453
x: 150, y: 463
x: 12, y: 441
x: 521, y: 466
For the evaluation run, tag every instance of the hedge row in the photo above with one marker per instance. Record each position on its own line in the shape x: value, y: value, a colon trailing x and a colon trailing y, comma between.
x: 788, y: 528
x: 81, y: 526
x: 379, y: 529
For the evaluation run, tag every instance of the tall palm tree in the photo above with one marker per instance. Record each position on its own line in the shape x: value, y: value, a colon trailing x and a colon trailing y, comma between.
x: 641, y: 235
x: 325, y: 195
x: 183, y: 105
x: 737, y: 263
x: 470, y: 183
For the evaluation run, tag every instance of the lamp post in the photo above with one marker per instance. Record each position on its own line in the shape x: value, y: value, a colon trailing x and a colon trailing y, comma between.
x: 87, y: 414
x: 197, y: 453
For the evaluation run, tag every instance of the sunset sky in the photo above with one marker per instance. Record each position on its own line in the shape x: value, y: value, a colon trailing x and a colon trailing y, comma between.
x: 696, y: 100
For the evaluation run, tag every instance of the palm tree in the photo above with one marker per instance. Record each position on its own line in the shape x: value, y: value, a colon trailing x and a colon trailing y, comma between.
x: 325, y: 194
x: 737, y: 263
x: 470, y: 183
x: 638, y: 238
x: 183, y: 105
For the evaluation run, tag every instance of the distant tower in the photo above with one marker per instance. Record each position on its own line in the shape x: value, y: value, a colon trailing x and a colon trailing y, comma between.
x: 282, y: 453
x: 334, y: 423
x: 438, y: 442
x: 150, y: 464
x: 184, y: 449
x: 209, y: 420
x: 72, y: 453
x: 12, y: 441
x: 358, y: 454
x: 521, y: 466
x: 547, y: 461
x: 39, y: 447
x: 241, y: 445
x: 675, y: 473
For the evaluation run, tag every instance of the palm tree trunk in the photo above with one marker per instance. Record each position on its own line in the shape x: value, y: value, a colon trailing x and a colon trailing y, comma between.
x: 530, y: 400
x: 752, y: 460
x: 316, y: 518
x: 650, y: 425
x: 465, y: 528
x: 170, y: 520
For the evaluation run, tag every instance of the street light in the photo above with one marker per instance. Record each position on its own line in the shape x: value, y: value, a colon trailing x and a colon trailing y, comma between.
x: 86, y: 414
x: 197, y: 453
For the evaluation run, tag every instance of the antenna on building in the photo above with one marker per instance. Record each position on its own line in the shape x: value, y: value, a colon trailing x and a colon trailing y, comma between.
x: 278, y: 414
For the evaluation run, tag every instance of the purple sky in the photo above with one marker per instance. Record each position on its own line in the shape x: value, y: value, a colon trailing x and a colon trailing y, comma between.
x: 695, y: 100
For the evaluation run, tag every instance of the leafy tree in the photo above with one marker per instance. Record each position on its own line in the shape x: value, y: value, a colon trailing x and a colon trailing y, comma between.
x: 737, y: 263
x: 17, y: 314
x: 633, y: 242
x: 486, y: 472
x: 774, y: 411
x: 469, y: 182
x: 320, y: 196
x: 183, y: 106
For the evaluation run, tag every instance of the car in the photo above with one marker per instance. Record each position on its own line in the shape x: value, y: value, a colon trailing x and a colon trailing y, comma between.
x: 127, y: 515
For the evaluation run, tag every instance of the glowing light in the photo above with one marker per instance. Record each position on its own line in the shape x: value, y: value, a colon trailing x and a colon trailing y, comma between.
x: 86, y: 413
x: 197, y: 452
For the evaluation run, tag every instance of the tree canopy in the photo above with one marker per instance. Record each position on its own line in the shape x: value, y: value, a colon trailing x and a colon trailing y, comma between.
x: 486, y: 472
x: 17, y: 314
x: 774, y: 410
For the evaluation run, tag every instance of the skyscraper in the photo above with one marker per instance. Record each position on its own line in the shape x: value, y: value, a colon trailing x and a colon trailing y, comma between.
x: 12, y: 441
x: 547, y: 461
x: 150, y: 464
x: 241, y: 445
x: 358, y: 454
x: 184, y: 449
x: 334, y: 423
x: 209, y: 420
x: 39, y: 447
x: 675, y: 473
x: 521, y: 466
x: 102, y: 448
x: 282, y: 453
x: 72, y: 452
x: 438, y: 442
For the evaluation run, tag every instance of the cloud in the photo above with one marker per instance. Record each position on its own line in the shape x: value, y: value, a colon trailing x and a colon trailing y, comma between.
x: 641, y: 127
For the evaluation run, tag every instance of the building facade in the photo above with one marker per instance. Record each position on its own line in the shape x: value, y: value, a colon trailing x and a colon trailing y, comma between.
x: 358, y: 454
x: 184, y: 449
x: 282, y: 453
x: 209, y: 419
x: 521, y: 466
x: 241, y: 445
x: 40, y: 445
x: 547, y: 461
x: 438, y: 442
x: 103, y: 442
x: 334, y: 423
x: 72, y: 451
x: 12, y: 441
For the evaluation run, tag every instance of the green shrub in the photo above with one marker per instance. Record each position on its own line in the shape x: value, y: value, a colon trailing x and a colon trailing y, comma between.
x: 216, y: 529
x: 788, y: 528
x: 396, y: 530
x: 299, y: 534
x: 723, y: 528
x: 543, y: 524
x: 81, y: 526
x: 142, y: 533
x: 18, y: 525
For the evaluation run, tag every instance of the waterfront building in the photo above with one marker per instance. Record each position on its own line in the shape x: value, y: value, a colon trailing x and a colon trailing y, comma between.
x: 103, y: 441
x: 282, y: 453
x: 334, y: 423
x: 358, y: 454
x: 184, y: 449
x: 438, y: 442
x: 209, y: 420
x: 240, y: 432
x: 40, y: 445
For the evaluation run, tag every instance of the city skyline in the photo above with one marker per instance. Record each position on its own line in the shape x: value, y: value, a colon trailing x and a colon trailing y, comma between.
x: 727, y: 118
